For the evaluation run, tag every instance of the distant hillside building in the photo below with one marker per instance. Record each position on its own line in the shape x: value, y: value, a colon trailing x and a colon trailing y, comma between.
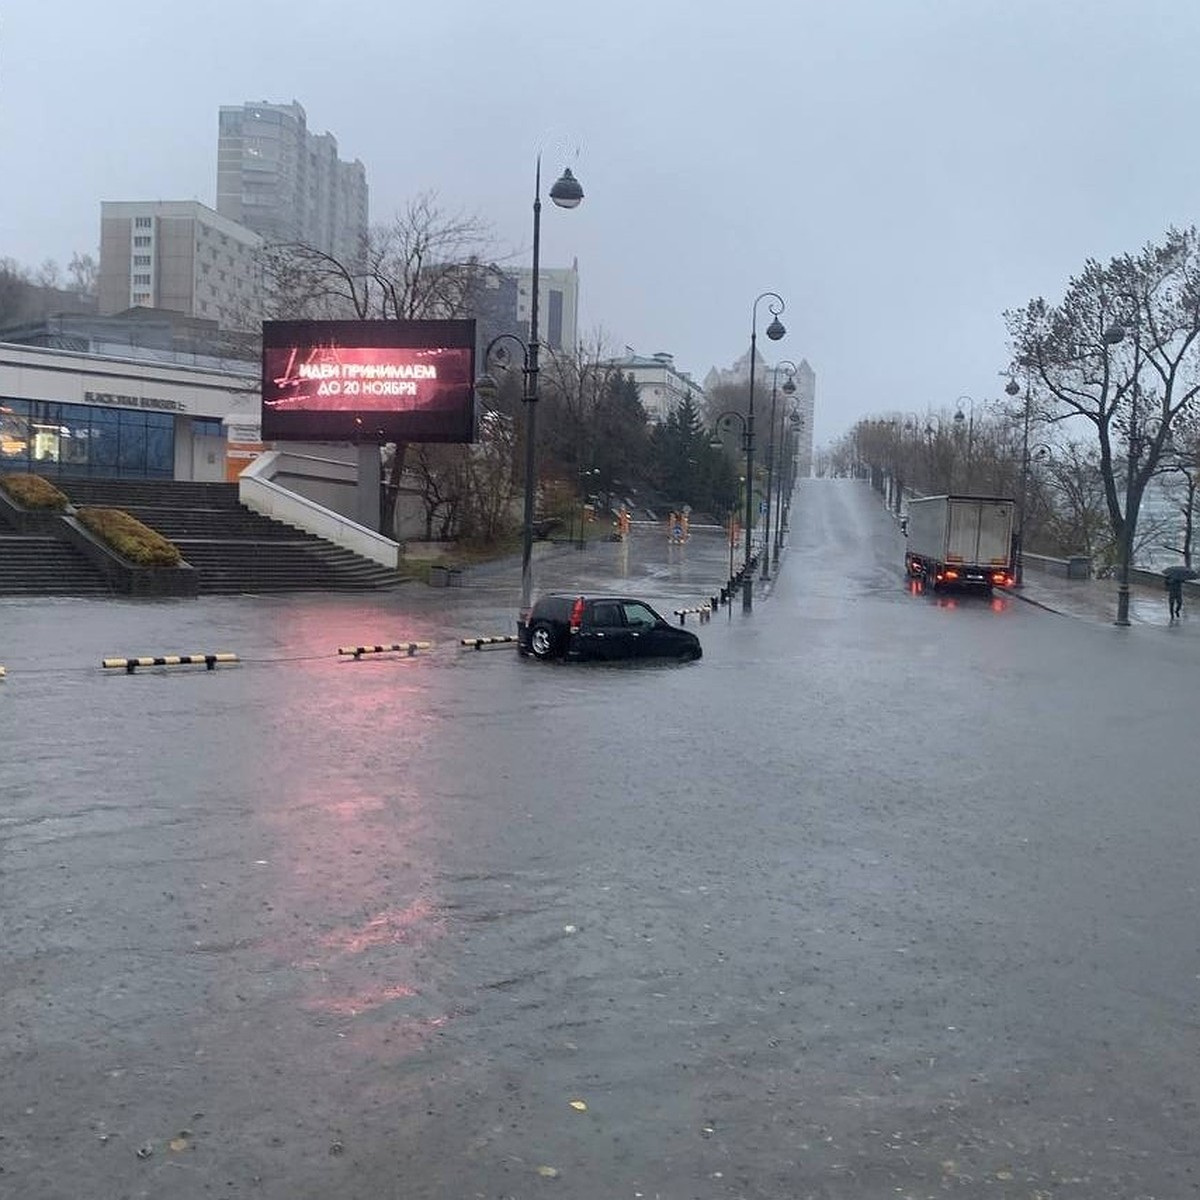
x: 288, y: 185
x: 803, y: 400
x: 661, y: 386
x: 558, y: 305
x: 178, y: 255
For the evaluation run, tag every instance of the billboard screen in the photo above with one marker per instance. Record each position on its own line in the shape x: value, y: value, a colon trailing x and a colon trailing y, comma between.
x: 368, y: 381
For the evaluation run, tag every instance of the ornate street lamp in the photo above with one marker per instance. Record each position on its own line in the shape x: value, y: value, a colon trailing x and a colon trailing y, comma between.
x: 789, y: 387
x: 959, y: 419
x: 775, y: 331
x: 787, y: 467
x: 566, y: 193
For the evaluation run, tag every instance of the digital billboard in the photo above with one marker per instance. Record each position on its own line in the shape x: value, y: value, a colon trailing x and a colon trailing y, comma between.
x: 368, y: 381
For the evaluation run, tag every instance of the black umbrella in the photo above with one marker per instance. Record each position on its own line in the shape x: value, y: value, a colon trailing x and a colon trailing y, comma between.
x: 1180, y: 573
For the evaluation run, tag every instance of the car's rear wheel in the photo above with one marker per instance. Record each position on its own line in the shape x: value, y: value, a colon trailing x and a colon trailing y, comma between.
x: 542, y: 640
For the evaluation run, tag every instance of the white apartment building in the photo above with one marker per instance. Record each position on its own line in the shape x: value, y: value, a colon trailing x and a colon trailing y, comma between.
x: 661, y: 386
x: 177, y: 255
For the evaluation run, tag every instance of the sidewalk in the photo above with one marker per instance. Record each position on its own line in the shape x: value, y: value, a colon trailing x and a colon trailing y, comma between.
x: 1095, y: 600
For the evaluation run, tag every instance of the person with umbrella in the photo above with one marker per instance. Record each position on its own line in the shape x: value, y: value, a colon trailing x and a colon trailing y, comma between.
x: 1173, y: 578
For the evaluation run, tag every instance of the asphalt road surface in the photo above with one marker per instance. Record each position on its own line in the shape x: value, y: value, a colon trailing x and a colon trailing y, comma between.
x: 889, y: 896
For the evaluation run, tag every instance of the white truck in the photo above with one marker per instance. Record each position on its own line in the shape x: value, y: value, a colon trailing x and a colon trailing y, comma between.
x: 960, y: 541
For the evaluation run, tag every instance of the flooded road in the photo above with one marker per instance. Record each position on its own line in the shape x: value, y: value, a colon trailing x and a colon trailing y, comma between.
x: 888, y: 895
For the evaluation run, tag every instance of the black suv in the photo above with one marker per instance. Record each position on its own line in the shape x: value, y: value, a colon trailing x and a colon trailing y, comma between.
x: 601, y: 627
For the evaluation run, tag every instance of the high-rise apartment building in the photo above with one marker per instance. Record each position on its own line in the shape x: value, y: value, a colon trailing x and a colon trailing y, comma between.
x: 558, y: 304
x: 177, y: 255
x: 287, y: 184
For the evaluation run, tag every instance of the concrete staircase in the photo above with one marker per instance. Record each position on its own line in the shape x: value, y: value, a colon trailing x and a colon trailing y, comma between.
x: 40, y: 565
x: 233, y: 549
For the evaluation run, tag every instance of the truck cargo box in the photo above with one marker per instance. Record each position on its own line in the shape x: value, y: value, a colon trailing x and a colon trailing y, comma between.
x: 960, y: 540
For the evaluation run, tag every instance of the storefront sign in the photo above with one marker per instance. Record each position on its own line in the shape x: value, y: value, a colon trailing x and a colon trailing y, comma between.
x: 117, y: 400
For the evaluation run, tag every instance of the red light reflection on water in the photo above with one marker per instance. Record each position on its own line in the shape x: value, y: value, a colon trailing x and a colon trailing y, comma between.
x: 360, y: 1002
x: 320, y: 628
x: 389, y: 928
x: 346, y: 826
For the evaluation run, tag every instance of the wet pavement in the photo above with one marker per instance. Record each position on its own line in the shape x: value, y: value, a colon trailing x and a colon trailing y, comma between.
x: 891, y: 894
x: 1095, y: 600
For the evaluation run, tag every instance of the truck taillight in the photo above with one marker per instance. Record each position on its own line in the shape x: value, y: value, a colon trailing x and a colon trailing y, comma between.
x: 949, y: 575
x: 577, y: 615
x: 1000, y: 578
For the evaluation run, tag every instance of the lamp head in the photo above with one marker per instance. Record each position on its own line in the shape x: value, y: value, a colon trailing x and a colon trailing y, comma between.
x: 775, y: 330
x: 1114, y: 333
x: 1012, y: 387
x: 788, y: 386
x: 566, y: 192
x: 486, y: 387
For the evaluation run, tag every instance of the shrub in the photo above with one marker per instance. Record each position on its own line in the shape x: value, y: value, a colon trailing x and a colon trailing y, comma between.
x: 32, y: 491
x: 131, y: 539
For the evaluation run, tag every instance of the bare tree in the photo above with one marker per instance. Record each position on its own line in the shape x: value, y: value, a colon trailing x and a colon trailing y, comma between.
x: 1120, y: 352
x: 426, y: 264
x: 83, y: 272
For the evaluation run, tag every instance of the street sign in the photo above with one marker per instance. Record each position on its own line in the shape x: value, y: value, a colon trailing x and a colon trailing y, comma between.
x: 762, y: 507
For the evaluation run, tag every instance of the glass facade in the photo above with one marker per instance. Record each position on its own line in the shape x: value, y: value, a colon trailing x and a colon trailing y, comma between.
x: 51, y: 438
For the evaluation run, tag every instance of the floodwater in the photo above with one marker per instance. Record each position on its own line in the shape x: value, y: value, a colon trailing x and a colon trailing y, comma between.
x: 887, y: 895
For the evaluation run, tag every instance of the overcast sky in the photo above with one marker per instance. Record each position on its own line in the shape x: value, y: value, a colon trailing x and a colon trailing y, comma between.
x: 900, y: 171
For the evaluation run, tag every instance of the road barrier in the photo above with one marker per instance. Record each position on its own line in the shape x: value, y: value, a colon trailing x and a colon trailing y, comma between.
x: 409, y: 648
x: 704, y: 611
x: 130, y: 665
x: 478, y: 643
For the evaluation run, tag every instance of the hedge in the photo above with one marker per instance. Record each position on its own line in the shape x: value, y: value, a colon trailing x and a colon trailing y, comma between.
x: 34, y: 492
x: 132, y: 540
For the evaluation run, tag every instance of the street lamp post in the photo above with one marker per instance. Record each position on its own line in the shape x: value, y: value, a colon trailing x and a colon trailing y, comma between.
x: 959, y: 418
x: 1013, y: 388
x: 774, y: 331
x: 586, y: 476
x: 789, y: 387
x: 566, y: 193
x: 723, y: 422
x: 786, y: 478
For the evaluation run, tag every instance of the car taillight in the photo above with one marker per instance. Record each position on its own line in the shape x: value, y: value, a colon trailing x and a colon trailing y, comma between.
x: 949, y: 575
x: 577, y: 615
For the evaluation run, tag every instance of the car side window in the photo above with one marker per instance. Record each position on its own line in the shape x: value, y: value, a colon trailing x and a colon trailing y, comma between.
x: 638, y: 616
x: 606, y: 615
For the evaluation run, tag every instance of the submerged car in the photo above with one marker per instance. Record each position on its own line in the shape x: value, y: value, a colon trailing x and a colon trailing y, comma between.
x: 601, y: 627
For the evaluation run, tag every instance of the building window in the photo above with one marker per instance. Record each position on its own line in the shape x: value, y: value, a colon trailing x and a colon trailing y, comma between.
x: 141, y: 260
x: 143, y: 280
x: 207, y: 427
x: 58, y: 439
x: 141, y: 298
x: 141, y: 242
x: 142, y: 222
